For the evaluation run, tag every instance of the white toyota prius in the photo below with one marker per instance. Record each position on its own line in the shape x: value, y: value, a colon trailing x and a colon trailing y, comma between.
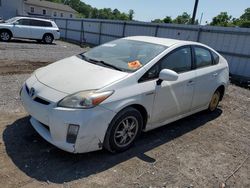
x: 106, y: 97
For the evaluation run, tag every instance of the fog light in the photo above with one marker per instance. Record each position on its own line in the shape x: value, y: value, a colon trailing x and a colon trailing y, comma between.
x: 72, y: 133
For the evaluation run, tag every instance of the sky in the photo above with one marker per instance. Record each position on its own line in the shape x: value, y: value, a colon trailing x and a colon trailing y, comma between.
x: 147, y: 10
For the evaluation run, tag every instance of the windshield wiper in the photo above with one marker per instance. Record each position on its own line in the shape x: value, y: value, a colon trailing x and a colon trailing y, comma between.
x: 106, y: 64
x: 95, y: 61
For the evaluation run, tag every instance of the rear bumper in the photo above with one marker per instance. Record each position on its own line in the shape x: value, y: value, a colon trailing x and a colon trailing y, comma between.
x: 57, y: 35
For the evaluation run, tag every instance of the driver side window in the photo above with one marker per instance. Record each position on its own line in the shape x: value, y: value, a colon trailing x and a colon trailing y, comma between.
x: 179, y: 60
x: 23, y: 22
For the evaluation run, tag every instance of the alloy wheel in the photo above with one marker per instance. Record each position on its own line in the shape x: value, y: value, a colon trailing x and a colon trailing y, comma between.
x: 5, y: 36
x: 48, y: 39
x: 214, y: 101
x: 126, y: 131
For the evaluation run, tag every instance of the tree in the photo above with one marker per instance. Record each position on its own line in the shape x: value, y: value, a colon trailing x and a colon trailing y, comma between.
x: 116, y: 13
x: 87, y: 11
x: 185, y: 18
x: 246, y: 15
x: 223, y: 19
x: 131, y: 14
x: 245, y: 23
x: 244, y: 20
x: 94, y: 13
x: 157, y: 21
x: 167, y: 19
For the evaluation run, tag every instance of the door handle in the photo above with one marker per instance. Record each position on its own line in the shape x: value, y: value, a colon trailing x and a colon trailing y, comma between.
x: 215, y: 74
x: 190, y: 83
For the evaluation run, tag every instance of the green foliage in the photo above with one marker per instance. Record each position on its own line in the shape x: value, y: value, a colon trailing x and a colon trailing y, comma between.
x: 246, y: 15
x: 167, y: 19
x: 131, y: 14
x: 87, y: 11
x: 157, y: 21
x: 245, y: 23
x: 185, y: 18
x: 223, y: 19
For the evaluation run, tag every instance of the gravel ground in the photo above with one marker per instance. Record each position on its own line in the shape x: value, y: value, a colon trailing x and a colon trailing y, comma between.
x: 9, y: 92
x: 203, y: 150
x: 24, y: 56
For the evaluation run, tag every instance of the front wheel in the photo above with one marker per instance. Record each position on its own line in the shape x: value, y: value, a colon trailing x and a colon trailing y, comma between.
x: 5, y: 36
x: 123, y: 130
x: 214, y: 101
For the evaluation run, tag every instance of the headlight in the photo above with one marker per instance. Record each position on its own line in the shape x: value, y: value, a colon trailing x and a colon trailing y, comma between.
x: 84, y: 99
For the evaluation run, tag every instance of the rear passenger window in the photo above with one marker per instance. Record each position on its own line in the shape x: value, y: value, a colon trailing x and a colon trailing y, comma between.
x: 47, y: 24
x: 178, y: 61
x: 203, y: 57
x: 216, y: 58
x: 40, y: 23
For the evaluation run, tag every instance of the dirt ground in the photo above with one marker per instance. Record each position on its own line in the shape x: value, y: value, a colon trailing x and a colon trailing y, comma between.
x: 203, y: 150
x: 24, y: 56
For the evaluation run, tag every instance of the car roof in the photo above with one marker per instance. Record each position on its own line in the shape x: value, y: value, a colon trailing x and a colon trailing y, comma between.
x: 41, y: 19
x: 161, y: 41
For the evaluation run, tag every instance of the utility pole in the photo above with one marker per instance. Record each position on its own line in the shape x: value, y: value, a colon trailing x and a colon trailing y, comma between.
x: 195, y: 10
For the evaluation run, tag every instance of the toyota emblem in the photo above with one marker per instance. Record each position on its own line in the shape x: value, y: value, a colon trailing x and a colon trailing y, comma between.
x: 32, y: 92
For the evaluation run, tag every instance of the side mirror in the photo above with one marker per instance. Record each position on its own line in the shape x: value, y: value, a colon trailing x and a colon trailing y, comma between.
x: 168, y: 75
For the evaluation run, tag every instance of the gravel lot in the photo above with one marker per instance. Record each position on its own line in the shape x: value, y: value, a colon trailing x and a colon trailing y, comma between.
x: 202, y: 150
x: 24, y: 56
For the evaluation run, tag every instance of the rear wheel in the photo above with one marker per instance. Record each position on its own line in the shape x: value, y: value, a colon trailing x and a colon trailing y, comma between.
x: 124, y: 130
x: 5, y: 36
x: 48, y: 38
x: 214, y: 101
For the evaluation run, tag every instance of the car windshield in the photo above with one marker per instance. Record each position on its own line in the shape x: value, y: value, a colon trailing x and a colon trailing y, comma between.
x: 124, y: 54
x: 11, y: 20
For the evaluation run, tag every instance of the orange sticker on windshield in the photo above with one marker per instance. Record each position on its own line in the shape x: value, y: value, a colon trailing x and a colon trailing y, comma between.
x: 134, y: 64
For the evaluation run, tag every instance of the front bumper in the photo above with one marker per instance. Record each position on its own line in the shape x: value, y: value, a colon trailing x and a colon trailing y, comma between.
x: 52, y: 122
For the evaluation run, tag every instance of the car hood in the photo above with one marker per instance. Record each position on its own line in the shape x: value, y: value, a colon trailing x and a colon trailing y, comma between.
x: 73, y: 74
x: 3, y: 24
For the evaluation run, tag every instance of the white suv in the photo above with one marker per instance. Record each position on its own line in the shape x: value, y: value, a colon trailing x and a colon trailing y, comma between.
x: 29, y: 28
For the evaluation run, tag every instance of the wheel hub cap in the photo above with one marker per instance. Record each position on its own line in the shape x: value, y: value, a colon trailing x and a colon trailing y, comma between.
x: 126, y: 131
x: 214, y: 101
x: 48, y: 39
x: 5, y: 36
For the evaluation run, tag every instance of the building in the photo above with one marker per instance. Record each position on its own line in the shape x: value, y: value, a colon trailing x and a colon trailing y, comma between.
x: 12, y: 8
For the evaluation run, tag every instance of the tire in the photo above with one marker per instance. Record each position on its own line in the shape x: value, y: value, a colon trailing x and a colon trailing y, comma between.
x: 5, y: 36
x: 214, y: 102
x: 48, y: 38
x: 123, y: 130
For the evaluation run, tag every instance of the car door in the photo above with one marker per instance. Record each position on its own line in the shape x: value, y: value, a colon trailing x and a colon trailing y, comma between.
x: 206, y: 75
x: 173, y: 98
x: 21, y: 28
x: 38, y: 28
